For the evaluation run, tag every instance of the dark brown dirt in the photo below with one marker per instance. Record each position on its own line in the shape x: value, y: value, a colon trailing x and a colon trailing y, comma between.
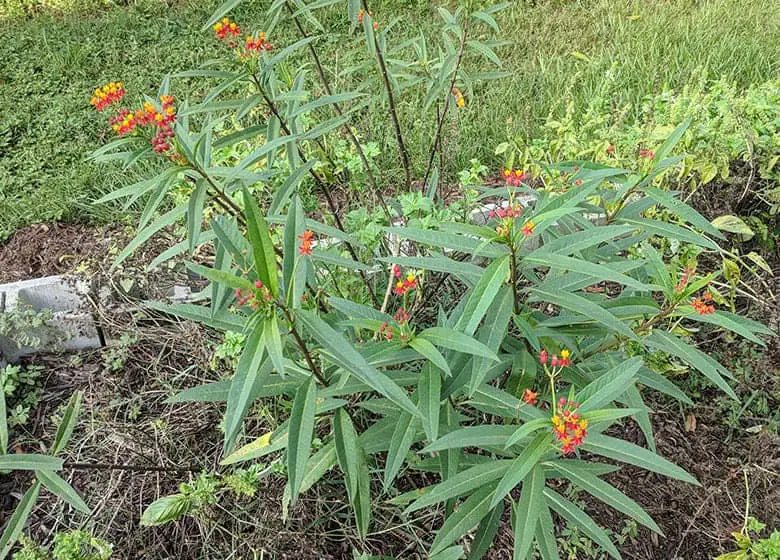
x: 48, y: 249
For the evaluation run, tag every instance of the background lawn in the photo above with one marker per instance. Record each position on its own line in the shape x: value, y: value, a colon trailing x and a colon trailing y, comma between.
x: 560, y: 52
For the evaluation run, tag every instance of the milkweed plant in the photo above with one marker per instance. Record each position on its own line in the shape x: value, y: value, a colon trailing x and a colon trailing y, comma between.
x: 505, y: 386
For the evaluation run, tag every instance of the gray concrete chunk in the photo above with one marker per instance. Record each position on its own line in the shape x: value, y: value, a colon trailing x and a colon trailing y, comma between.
x: 63, y: 299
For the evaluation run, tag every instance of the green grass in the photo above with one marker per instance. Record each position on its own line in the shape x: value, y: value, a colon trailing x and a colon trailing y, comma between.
x: 561, y: 52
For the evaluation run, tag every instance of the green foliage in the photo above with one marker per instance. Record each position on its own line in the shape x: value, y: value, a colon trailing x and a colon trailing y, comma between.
x: 26, y: 326
x: 558, y: 54
x: 22, y: 389
x: 45, y: 467
x: 752, y: 546
x: 68, y: 545
x: 206, y: 489
x: 578, y: 291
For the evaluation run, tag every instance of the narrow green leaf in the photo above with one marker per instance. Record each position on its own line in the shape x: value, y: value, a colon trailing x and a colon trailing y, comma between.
x: 429, y: 400
x: 273, y: 344
x: 480, y: 475
x: 3, y: 417
x: 301, y: 431
x: 68, y: 422
x: 220, y: 276
x: 247, y: 371
x: 401, y: 442
x: 351, y: 360
x: 62, y: 489
x: 582, y: 520
x: 29, y: 462
x: 606, y: 493
x: 682, y: 210
x: 347, y: 449
x: 579, y: 304
x: 224, y: 9
x: 143, y: 236
x: 545, y: 535
x: 670, y: 231
x: 18, y: 520
x: 526, y: 514
x: 620, y: 450
x: 667, y: 342
x: 720, y: 319
x: 521, y: 466
x: 262, y: 247
x: 580, y: 266
x: 442, y: 239
x: 482, y: 296
x: 454, y: 340
x: 469, y: 514
x: 492, y: 334
x: 487, y: 436
x: 486, y: 532
x: 609, y: 386
x: 526, y: 430
x: 429, y: 351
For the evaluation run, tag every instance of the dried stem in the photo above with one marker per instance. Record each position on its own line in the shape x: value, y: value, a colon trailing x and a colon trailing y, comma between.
x: 393, y: 111
x: 440, y: 124
x: 340, y: 112
x: 320, y: 183
x: 134, y: 468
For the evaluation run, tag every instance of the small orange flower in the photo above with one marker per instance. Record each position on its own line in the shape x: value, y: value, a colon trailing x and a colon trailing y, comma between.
x: 530, y: 397
x: 528, y: 228
x: 404, y: 285
x: 306, y: 241
x: 458, y: 95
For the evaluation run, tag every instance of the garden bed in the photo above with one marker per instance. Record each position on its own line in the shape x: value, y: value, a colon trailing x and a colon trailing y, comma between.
x: 125, y: 386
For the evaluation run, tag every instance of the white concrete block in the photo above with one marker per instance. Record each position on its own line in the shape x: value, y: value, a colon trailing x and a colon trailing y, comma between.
x: 72, y: 326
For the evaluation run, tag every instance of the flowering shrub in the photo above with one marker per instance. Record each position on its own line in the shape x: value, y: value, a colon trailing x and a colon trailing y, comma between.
x: 568, y: 293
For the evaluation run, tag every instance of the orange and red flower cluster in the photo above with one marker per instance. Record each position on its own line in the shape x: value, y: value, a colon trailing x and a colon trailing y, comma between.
x: 362, y: 14
x: 386, y: 331
x: 403, y: 285
x: 649, y: 154
x: 528, y: 228
x: 568, y: 427
x: 226, y: 29
x: 513, y: 211
x: 402, y: 316
x: 254, y: 297
x: 126, y: 121
x: 257, y: 44
x: 104, y: 96
x: 514, y: 178
x: 307, y: 237
x: 563, y: 361
x: 703, y: 305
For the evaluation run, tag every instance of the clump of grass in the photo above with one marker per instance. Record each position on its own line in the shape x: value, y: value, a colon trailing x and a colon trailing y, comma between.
x: 559, y: 52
